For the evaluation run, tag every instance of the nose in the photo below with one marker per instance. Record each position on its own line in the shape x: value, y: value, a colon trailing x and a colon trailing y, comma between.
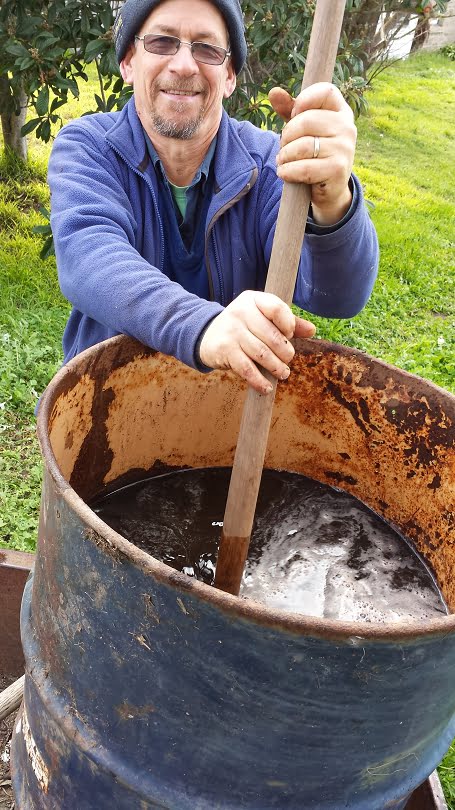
x: 183, y: 62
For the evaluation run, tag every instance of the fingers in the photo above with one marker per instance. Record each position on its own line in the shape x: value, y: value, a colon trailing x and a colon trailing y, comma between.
x: 320, y: 96
x: 247, y: 370
x: 314, y: 172
x: 337, y: 138
x: 276, y: 311
x: 253, y: 330
x: 296, y: 162
x: 310, y: 147
x: 257, y: 351
x: 282, y: 102
x: 324, y: 123
x: 319, y: 122
x: 303, y: 328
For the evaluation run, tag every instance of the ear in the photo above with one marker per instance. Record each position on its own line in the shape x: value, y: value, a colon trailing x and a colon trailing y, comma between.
x: 127, y: 67
x: 231, y: 80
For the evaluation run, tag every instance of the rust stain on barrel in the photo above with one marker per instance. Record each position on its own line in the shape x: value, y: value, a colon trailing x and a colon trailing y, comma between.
x: 339, y: 413
x: 391, y: 428
x: 126, y: 711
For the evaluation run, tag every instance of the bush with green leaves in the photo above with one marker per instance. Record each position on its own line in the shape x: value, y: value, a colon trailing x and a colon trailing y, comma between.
x: 449, y: 51
x: 278, y: 33
x: 46, y: 44
x: 44, y: 47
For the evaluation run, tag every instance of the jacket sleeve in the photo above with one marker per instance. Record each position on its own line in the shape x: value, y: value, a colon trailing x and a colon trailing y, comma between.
x: 337, y: 270
x: 100, y: 271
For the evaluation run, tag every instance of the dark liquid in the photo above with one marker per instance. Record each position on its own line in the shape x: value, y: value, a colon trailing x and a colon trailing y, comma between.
x: 314, y: 549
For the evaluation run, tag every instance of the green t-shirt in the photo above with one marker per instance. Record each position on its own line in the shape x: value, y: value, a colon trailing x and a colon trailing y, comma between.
x: 179, y: 195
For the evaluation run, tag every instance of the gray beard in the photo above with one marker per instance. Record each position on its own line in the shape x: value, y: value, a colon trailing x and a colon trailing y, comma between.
x: 170, y: 129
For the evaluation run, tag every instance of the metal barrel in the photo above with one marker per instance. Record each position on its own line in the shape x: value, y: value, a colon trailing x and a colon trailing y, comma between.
x: 147, y: 689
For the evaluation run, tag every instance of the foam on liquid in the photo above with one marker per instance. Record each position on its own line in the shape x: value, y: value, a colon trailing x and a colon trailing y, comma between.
x: 314, y: 549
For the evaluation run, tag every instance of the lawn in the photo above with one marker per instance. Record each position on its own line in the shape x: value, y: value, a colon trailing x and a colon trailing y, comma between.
x: 406, y: 161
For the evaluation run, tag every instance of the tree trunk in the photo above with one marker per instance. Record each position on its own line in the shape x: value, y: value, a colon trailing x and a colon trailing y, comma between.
x: 12, y: 123
x: 363, y: 23
x: 421, y: 34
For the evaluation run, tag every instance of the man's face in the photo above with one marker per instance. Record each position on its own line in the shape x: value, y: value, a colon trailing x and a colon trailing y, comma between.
x: 176, y: 96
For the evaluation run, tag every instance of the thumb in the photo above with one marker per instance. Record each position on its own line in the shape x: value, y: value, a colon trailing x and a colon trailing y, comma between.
x: 303, y: 328
x: 282, y: 102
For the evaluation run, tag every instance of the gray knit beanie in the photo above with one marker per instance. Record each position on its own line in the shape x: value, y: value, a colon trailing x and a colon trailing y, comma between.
x: 133, y: 13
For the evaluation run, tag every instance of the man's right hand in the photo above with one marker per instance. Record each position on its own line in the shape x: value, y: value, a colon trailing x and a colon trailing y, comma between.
x: 256, y: 328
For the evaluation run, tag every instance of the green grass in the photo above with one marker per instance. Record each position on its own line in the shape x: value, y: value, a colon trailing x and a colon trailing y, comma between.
x: 446, y: 773
x: 32, y: 316
x: 406, y: 161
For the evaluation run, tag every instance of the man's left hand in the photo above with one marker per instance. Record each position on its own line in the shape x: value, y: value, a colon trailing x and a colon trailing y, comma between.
x: 318, y: 118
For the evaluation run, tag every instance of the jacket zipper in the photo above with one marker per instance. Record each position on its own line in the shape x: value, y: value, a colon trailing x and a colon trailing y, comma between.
x: 144, y: 177
x: 218, y: 270
x: 210, y: 227
x: 210, y: 232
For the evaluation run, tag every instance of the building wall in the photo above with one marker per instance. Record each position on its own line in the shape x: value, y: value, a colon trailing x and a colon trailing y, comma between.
x: 443, y: 32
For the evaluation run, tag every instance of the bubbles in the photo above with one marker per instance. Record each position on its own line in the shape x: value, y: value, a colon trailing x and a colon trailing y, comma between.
x: 314, y: 550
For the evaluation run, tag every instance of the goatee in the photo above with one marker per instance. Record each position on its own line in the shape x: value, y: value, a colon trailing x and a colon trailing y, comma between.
x: 182, y: 130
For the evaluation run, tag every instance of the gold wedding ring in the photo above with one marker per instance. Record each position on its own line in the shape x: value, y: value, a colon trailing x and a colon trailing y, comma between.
x: 317, y: 146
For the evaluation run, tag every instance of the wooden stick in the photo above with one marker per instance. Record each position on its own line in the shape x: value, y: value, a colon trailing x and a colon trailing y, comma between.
x: 11, y: 697
x: 281, y: 278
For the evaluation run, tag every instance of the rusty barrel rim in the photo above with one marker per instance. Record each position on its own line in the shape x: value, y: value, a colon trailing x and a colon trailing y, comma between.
x: 248, y: 609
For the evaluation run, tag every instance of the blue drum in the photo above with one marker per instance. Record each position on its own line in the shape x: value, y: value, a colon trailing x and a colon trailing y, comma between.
x: 147, y: 689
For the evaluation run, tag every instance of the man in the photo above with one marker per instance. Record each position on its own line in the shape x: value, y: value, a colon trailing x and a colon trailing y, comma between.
x: 163, y: 214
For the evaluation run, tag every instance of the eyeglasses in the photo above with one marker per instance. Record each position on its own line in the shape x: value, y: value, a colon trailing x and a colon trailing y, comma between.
x: 164, y: 45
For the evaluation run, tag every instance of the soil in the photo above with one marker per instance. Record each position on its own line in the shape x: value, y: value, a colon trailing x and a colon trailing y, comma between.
x: 6, y: 730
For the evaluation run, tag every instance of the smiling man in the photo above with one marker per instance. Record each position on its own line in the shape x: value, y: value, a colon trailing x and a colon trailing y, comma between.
x: 163, y: 214
x: 180, y: 98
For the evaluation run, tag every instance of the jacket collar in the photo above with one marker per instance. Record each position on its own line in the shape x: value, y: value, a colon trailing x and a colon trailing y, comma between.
x: 126, y: 136
x: 232, y: 160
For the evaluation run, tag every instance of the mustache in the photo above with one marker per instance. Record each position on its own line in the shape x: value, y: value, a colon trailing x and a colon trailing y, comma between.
x: 182, y: 87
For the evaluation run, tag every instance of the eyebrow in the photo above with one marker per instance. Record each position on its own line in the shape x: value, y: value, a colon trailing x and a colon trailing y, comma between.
x: 172, y: 31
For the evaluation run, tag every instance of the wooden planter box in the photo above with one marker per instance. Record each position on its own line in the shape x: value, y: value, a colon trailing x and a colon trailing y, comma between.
x: 15, y: 567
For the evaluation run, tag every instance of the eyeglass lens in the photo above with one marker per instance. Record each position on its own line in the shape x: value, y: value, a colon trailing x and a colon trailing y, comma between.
x: 168, y: 46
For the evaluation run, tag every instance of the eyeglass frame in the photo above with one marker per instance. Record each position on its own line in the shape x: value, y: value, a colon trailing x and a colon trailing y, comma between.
x: 181, y: 42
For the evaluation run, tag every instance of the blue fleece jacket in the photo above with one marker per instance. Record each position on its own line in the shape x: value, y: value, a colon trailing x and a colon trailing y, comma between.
x: 110, y: 243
